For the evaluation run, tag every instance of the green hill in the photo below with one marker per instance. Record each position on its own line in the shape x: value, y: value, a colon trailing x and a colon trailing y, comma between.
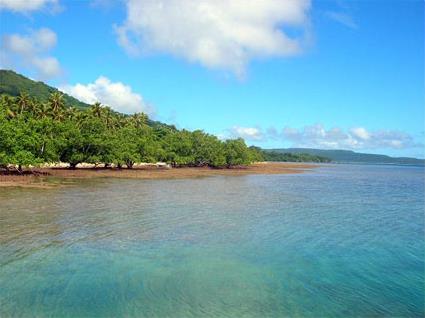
x: 348, y: 156
x: 13, y: 84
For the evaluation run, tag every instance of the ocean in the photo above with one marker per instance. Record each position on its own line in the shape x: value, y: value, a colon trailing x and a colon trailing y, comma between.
x: 337, y: 241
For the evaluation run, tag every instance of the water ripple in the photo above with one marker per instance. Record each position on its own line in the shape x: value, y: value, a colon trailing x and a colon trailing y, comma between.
x: 342, y: 241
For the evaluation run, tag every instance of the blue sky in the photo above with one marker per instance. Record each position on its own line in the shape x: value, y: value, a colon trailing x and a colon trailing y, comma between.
x: 325, y: 74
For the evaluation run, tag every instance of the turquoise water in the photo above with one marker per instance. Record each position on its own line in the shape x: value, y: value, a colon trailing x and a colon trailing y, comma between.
x: 340, y: 241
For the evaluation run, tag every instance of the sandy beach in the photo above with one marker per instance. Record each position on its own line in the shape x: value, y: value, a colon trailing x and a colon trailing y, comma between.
x: 41, y: 178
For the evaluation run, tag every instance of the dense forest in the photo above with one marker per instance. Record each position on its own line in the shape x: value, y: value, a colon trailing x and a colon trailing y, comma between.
x: 349, y: 156
x: 293, y: 157
x: 35, y: 132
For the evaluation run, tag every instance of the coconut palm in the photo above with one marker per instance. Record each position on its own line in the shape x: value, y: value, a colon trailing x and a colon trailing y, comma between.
x: 9, y: 105
x: 71, y: 113
x: 43, y: 110
x: 97, y: 109
x: 57, y: 104
x: 139, y: 119
x: 23, y: 101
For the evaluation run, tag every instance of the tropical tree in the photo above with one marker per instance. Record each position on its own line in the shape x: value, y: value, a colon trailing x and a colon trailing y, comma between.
x: 236, y: 152
x: 126, y: 150
x: 96, y: 110
x: 23, y: 101
x: 57, y: 104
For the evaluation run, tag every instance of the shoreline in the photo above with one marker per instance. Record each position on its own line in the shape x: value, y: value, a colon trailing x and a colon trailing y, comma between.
x: 40, y: 177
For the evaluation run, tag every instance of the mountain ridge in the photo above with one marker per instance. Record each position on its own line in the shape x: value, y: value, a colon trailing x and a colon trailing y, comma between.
x: 12, y: 84
x: 350, y: 156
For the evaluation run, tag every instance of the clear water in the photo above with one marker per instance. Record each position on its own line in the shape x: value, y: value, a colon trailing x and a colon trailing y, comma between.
x: 340, y: 241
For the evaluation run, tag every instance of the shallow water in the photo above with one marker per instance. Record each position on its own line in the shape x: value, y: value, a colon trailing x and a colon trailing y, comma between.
x: 343, y: 240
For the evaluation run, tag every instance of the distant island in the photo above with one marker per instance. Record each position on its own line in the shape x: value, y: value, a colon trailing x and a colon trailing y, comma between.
x: 302, y: 156
x: 348, y: 156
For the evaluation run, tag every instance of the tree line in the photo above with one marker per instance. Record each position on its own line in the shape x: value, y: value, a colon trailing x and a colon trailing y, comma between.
x: 293, y: 157
x: 33, y: 132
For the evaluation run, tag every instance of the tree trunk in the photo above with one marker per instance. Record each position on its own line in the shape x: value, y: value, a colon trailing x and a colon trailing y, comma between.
x: 20, y: 170
x: 73, y: 165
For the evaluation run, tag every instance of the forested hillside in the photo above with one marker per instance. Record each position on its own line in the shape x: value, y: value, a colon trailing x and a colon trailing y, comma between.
x: 348, y: 156
x: 35, y: 132
x: 293, y: 157
x: 14, y: 84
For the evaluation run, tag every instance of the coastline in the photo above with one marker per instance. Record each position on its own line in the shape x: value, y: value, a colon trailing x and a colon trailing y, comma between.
x: 40, y: 179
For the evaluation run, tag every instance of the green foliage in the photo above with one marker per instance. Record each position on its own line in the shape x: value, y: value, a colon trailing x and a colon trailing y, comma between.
x: 34, y: 131
x: 256, y: 154
x: 18, y: 143
x: 293, y: 157
x: 14, y: 84
x: 348, y: 156
x: 236, y: 152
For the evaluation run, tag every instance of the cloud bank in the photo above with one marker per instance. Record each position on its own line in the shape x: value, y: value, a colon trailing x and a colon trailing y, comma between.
x: 31, y: 51
x: 217, y: 34
x: 316, y: 136
x: 114, y: 94
x: 248, y: 133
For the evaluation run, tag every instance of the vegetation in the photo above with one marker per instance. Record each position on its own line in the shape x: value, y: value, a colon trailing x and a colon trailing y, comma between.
x: 348, y: 156
x: 293, y: 157
x: 13, y: 84
x: 33, y: 132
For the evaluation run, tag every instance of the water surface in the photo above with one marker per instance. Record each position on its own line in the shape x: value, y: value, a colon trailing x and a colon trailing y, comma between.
x: 343, y: 240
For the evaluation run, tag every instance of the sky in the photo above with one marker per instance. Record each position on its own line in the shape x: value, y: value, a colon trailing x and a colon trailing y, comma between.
x: 279, y: 73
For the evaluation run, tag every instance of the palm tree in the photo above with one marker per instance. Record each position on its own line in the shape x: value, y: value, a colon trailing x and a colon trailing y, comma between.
x: 77, y: 116
x: 71, y: 113
x: 10, y: 113
x: 139, y: 119
x: 57, y: 104
x: 33, y: 106
x: 43, y: 110
x: 8, y: 104
x: 111, y: 120
x: 23, y: 101
x: 97, y: 109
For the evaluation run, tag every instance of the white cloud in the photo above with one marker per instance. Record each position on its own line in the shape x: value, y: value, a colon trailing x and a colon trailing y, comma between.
x: 316, y: 136
x: 248, y: 133
x: 45, y: 38
x: 218, y: 34
x: 114, y: 94
x: 342, y: 18
x: 360, y: 132
x: 24, y: 6
x: 31, y: 51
